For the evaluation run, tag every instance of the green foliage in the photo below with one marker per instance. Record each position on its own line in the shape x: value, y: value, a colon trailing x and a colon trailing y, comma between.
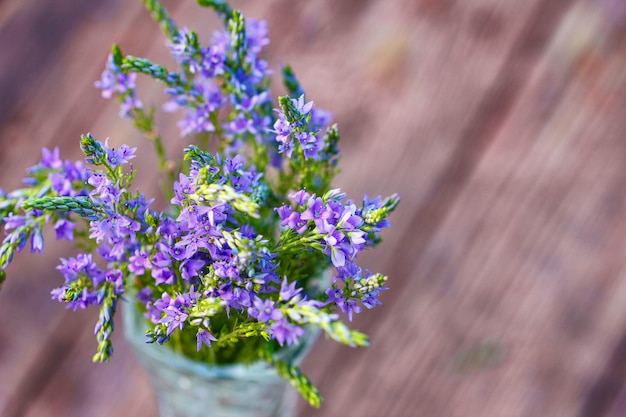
x: 104, y: 328
x: 291, y: 82
x: 83, y: 206
x: 297, y: 379
x: 237, y: 29
x: 342, y: 334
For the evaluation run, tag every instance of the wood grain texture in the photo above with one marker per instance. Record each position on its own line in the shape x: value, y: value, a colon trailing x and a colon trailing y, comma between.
x: 500, y: 124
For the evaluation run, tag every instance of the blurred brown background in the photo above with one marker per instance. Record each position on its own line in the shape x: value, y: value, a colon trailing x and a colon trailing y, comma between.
x: 502, y: 125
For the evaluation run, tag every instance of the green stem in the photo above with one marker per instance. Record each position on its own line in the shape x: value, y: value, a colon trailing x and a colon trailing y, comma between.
x: 160, y: 15
x: 301, y: 240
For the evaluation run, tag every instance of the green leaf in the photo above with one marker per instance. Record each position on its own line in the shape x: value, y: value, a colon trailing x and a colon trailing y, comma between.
x: 341, y: 333
x: 83, y: 206
x: 291, y: 82
x: 118, y: 57
x: 299, y: 381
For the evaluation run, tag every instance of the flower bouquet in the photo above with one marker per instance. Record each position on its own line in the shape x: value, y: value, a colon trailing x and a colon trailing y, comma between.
x: 229, y: 272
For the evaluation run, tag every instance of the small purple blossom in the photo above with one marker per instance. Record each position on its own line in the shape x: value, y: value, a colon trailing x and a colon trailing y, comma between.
x: 64, y: 229
x: 289, y: 292
x: 190, y: 268
x: 286, y: 332
x: 265, y: 310
x: 350, y: 307
x: 120, y: 155
x: 36, y: 241
x: 174, y: 317
x: 335, y: 295
x: 302, y: 106
x: 204, y: 337
x: 51, y: 159
x: 316, y: 210
x: 300, y: 197
x: 139, y: 262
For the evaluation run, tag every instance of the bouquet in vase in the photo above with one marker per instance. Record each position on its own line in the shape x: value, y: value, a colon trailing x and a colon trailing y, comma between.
x: 229, y: 272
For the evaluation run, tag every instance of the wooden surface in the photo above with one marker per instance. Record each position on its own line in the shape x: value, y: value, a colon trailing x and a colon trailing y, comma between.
x: 501, y: 124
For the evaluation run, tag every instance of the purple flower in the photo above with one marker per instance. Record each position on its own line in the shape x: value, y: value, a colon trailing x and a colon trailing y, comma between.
x: 191, y: 268
x: 163, y: 276
x: 247, y: 103
x: 160, y: 265
x: 283, y: 129
x: 283, y: 331
x: 311, y: 144
x: 61, y: 184
x: 350, y: 307
x: 144, y: 295
x: 335, y: 295
x: 72, y: 267
x: 332, y: 236
x: 320, y: 118
x: 264, y: 310
x: 286, y: 148
x: 190, y: 215
x: 36, y: 240
x: 316, y: 210
x: 370, y: 300
x: 212, y: 62
x: 82, y: 299
x: 64, y: 229
x: 115, y: 276
x: 183, y: 188
x: 183, y: 50
x: 99, y: 181
x: 235, y: 297
x: 139, y: 262
x: 205, y: 99
x: 291, y: 219
x: 289, y: 292
x: 284, y: 212
x: 256, y: 35
x: 240, y: 124
x: 120, y: 156
x: 301, y: 106
x: 300, y: 197
x: 174, y: 317
x: 178, y: 252
x: 204, y: 337
x: 349, y: 220
x: 115, y: 81
x: 51, y: 159
x: 14, y: 221
x: 113, y: 228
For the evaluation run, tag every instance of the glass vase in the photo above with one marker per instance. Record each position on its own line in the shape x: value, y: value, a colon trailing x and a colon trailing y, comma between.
x: 187, y: 388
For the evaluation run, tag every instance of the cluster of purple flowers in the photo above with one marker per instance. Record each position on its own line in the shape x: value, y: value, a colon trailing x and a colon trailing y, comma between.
x: 236, y: 260
x: 115, y: 81
x: 297, y: 127
x: 113, y: 230
x: 208, y: 248
x: 64, y: 178
x: 208, y: 68
x: 336, y: 225
x: 340, y: 231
